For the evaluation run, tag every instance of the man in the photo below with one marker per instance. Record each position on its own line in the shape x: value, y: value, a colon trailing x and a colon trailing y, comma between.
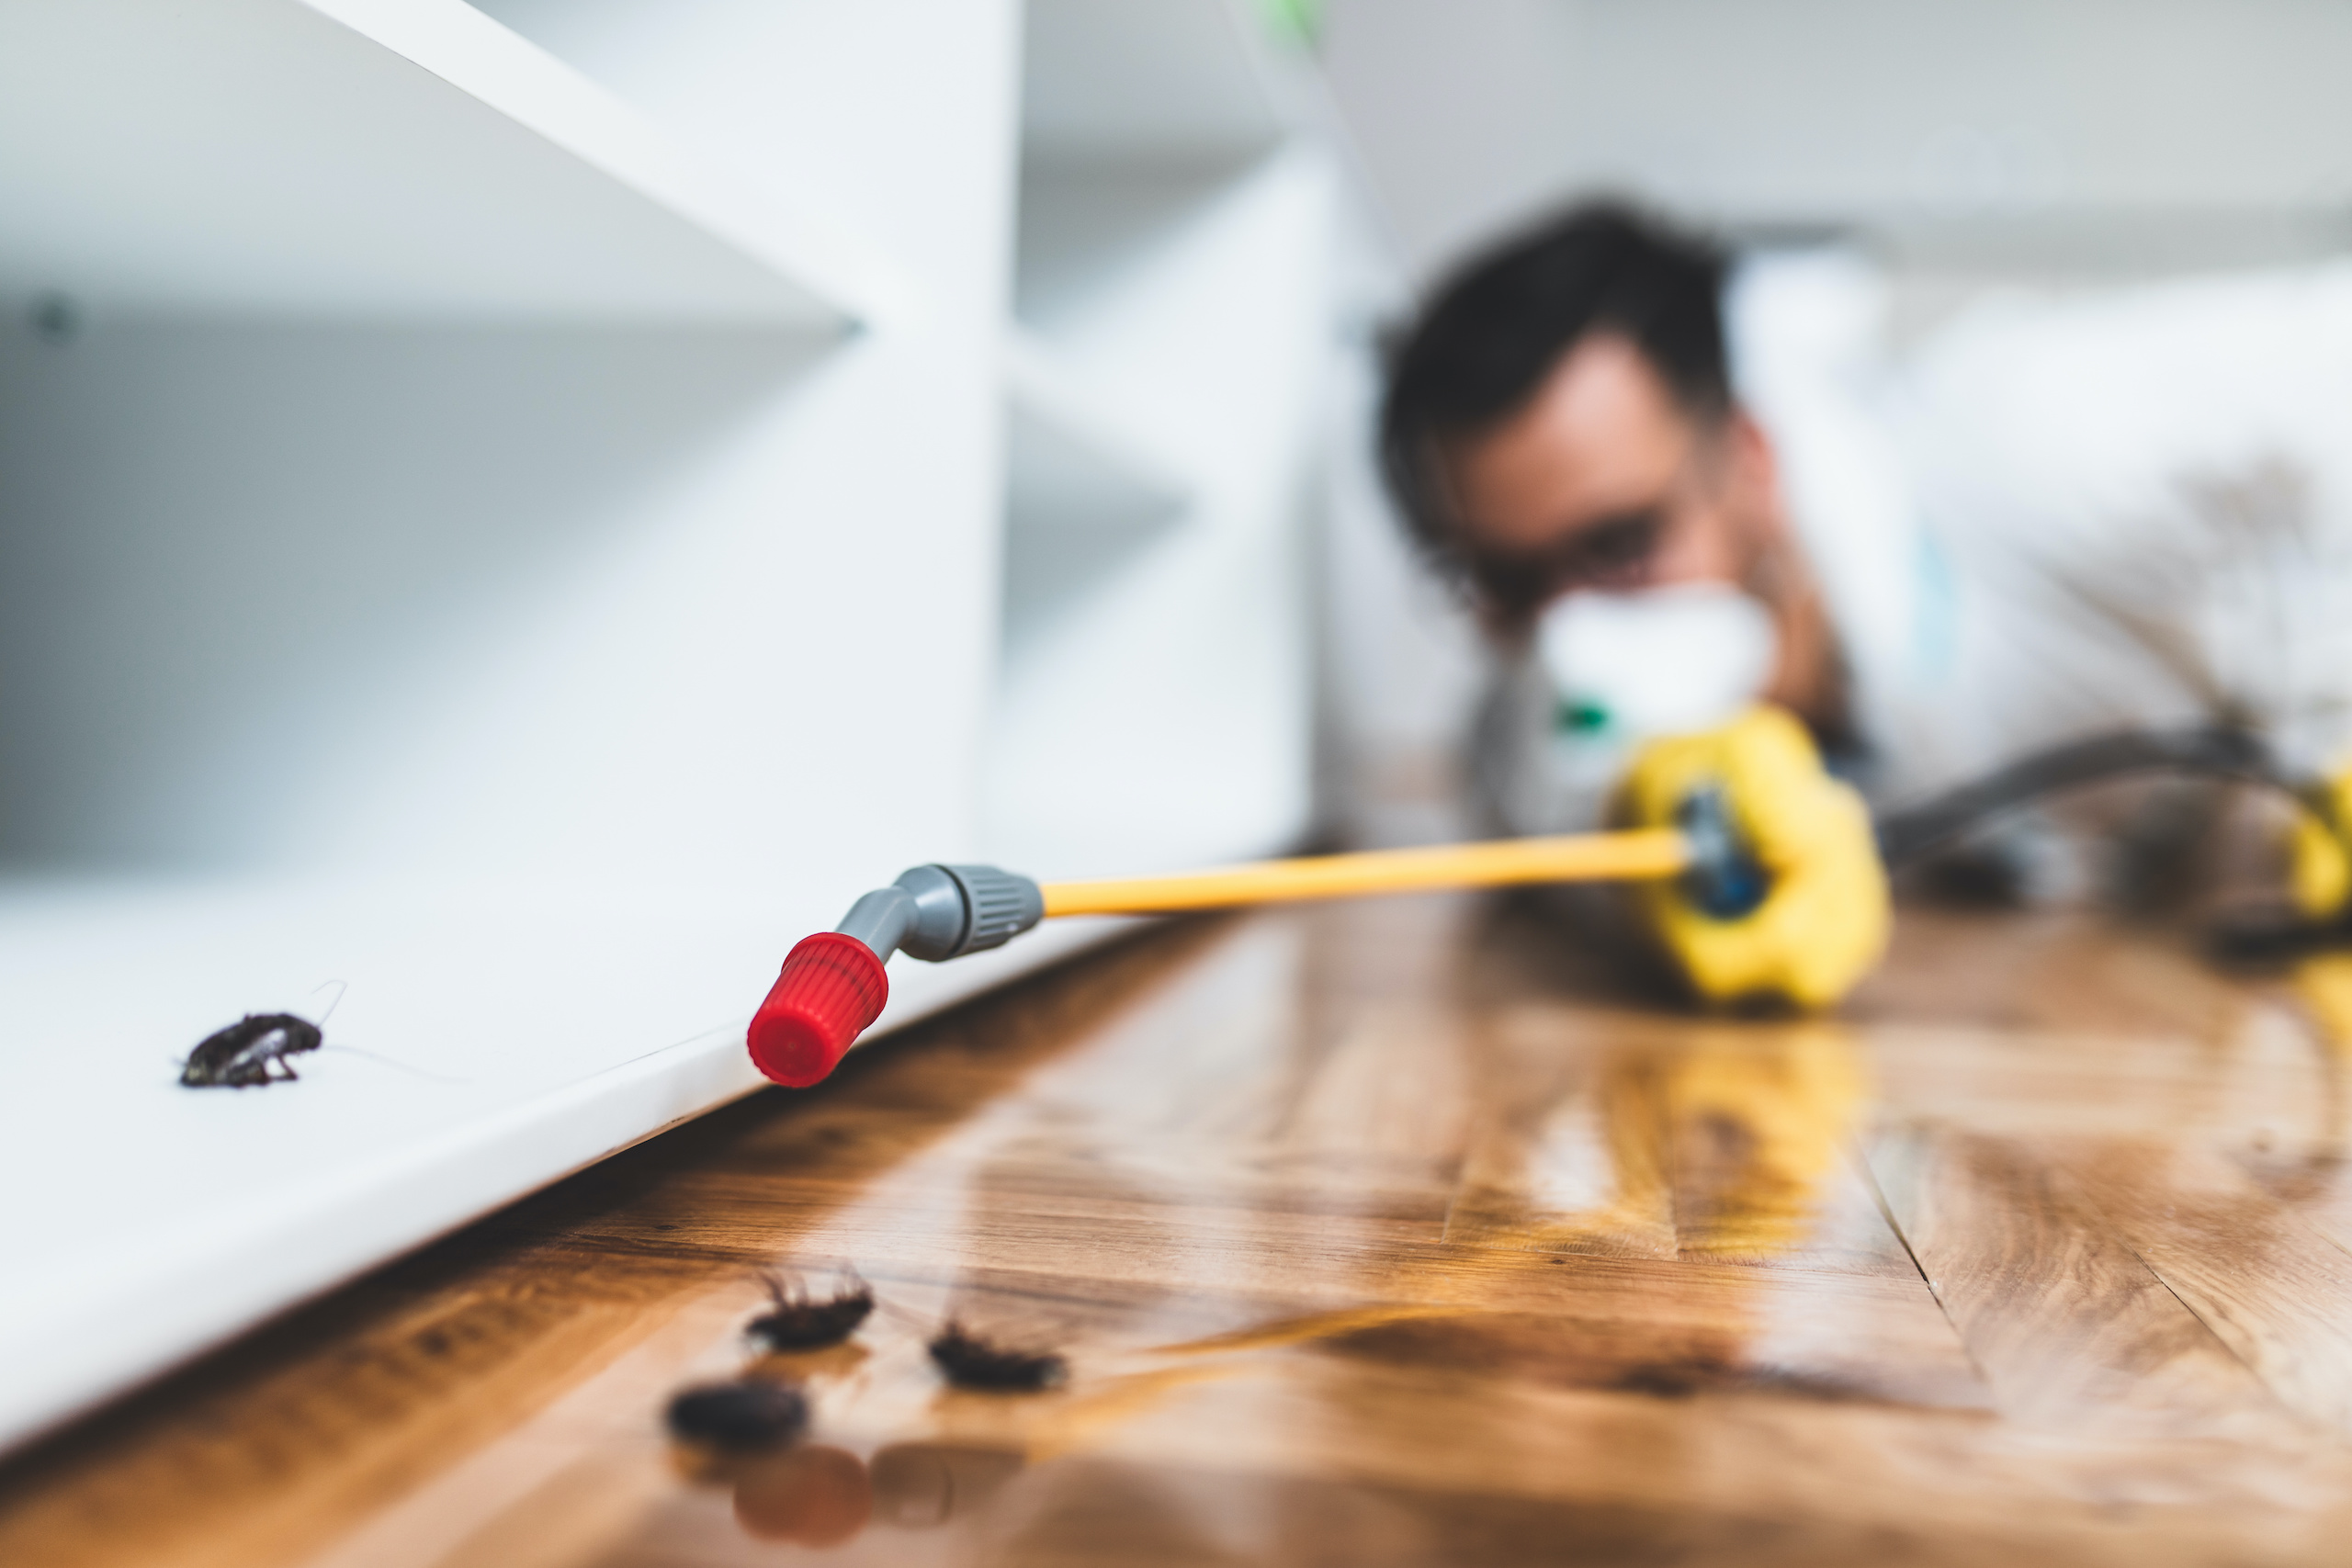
x: 2102, y: 515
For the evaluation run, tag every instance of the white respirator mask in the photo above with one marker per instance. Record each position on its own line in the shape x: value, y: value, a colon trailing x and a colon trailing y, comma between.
x: 1624, y: 668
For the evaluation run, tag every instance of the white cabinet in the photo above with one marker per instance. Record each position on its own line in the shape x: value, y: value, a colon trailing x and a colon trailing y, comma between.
x: 510, y: 515
x: 1172, y: 280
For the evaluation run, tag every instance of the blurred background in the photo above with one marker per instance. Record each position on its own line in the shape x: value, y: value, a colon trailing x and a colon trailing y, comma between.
x: 1954, y: 149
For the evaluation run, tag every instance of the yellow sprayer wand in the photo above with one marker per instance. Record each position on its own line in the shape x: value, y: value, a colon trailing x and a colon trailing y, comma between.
x: 1575, y: 857
x: 833, y: 984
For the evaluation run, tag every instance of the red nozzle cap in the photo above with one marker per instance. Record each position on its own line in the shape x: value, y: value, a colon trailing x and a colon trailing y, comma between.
x: 831, y: 988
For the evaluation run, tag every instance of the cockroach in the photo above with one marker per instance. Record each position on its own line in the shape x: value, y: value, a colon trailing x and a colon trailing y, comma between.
x: 800, y: 1324
x: 970, y: 1361
x: 747, y: 1416
x: 251, y: 1051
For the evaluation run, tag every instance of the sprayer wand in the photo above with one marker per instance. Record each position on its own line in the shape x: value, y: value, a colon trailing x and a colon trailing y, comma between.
x: 833, y: 984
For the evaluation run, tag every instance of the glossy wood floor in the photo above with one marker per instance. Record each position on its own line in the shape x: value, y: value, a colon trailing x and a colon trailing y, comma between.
x: 1382, y: 1234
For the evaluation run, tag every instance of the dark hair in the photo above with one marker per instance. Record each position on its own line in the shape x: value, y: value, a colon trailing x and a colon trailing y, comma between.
x: 1495, y: 329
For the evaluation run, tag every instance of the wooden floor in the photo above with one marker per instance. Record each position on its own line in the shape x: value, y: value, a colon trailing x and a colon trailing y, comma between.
x: 1382, y: 1234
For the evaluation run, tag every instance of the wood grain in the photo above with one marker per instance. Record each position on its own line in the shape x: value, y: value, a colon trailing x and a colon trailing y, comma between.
x: 2075, y: 1331
x: 2271, y: 1288
x: 1392, y: 1233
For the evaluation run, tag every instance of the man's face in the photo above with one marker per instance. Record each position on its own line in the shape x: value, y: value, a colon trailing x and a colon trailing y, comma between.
x: 1602, y: 480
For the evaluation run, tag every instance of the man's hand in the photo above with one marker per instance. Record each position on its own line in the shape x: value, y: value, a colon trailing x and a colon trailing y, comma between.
x: 1824, y: 916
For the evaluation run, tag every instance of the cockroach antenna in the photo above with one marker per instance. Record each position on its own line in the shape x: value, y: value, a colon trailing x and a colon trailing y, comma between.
x: 342, y: 989
x: 969, y: 1362
x: 799, y: 1322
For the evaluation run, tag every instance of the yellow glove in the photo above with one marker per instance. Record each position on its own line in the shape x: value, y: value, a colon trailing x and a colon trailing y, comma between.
x: 2319, y: 866
x: 1823, y: 920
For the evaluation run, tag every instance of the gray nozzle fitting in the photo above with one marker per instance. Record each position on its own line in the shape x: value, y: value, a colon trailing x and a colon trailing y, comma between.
x: 938, y: 913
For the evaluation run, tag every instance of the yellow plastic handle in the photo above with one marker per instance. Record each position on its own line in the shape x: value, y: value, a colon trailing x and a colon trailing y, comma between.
x: 1579, y: 857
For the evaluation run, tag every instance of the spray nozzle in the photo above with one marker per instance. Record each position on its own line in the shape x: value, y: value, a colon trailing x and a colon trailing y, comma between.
x: 833, y: 985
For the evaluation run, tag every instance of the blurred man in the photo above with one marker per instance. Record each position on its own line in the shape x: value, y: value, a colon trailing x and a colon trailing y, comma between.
x: 2130, y: 512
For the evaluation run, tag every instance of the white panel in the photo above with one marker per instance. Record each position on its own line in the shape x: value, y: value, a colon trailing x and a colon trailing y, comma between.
x: 1074, y: 464
x: 893, y: 484
x: 263, y: 157
x: 319, y: 597
x: 1123, y: 78
x: 1153, y: 709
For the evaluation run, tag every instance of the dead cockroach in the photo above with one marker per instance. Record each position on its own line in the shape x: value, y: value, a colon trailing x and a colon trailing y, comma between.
x: 747, y: 1416
x: 799, y: 1322
x: 969, y: 1362
x: 247, y: 1052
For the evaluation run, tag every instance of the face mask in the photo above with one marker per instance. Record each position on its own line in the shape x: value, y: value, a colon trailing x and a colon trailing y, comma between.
x: 1662, y: 662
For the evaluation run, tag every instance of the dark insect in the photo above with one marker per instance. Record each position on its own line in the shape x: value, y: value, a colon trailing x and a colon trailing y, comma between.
x: 800, y: 1324
x: 245, y: 1053
x: 748, y: 1416
x: 970, y: 1361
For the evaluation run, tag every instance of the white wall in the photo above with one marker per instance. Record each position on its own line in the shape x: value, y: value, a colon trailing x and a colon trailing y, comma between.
x: 1471, y: 112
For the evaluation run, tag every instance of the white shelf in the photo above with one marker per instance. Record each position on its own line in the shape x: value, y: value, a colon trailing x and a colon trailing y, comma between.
x: 1125, y: 79
x: 1071, y: 461
x: 513, y: 1033
x: 387, y: 158
x: 539, y: 593
x: 1153, y: 698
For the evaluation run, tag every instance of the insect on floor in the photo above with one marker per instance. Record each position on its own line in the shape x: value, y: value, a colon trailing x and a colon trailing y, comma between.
x: 1392, y: 1234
